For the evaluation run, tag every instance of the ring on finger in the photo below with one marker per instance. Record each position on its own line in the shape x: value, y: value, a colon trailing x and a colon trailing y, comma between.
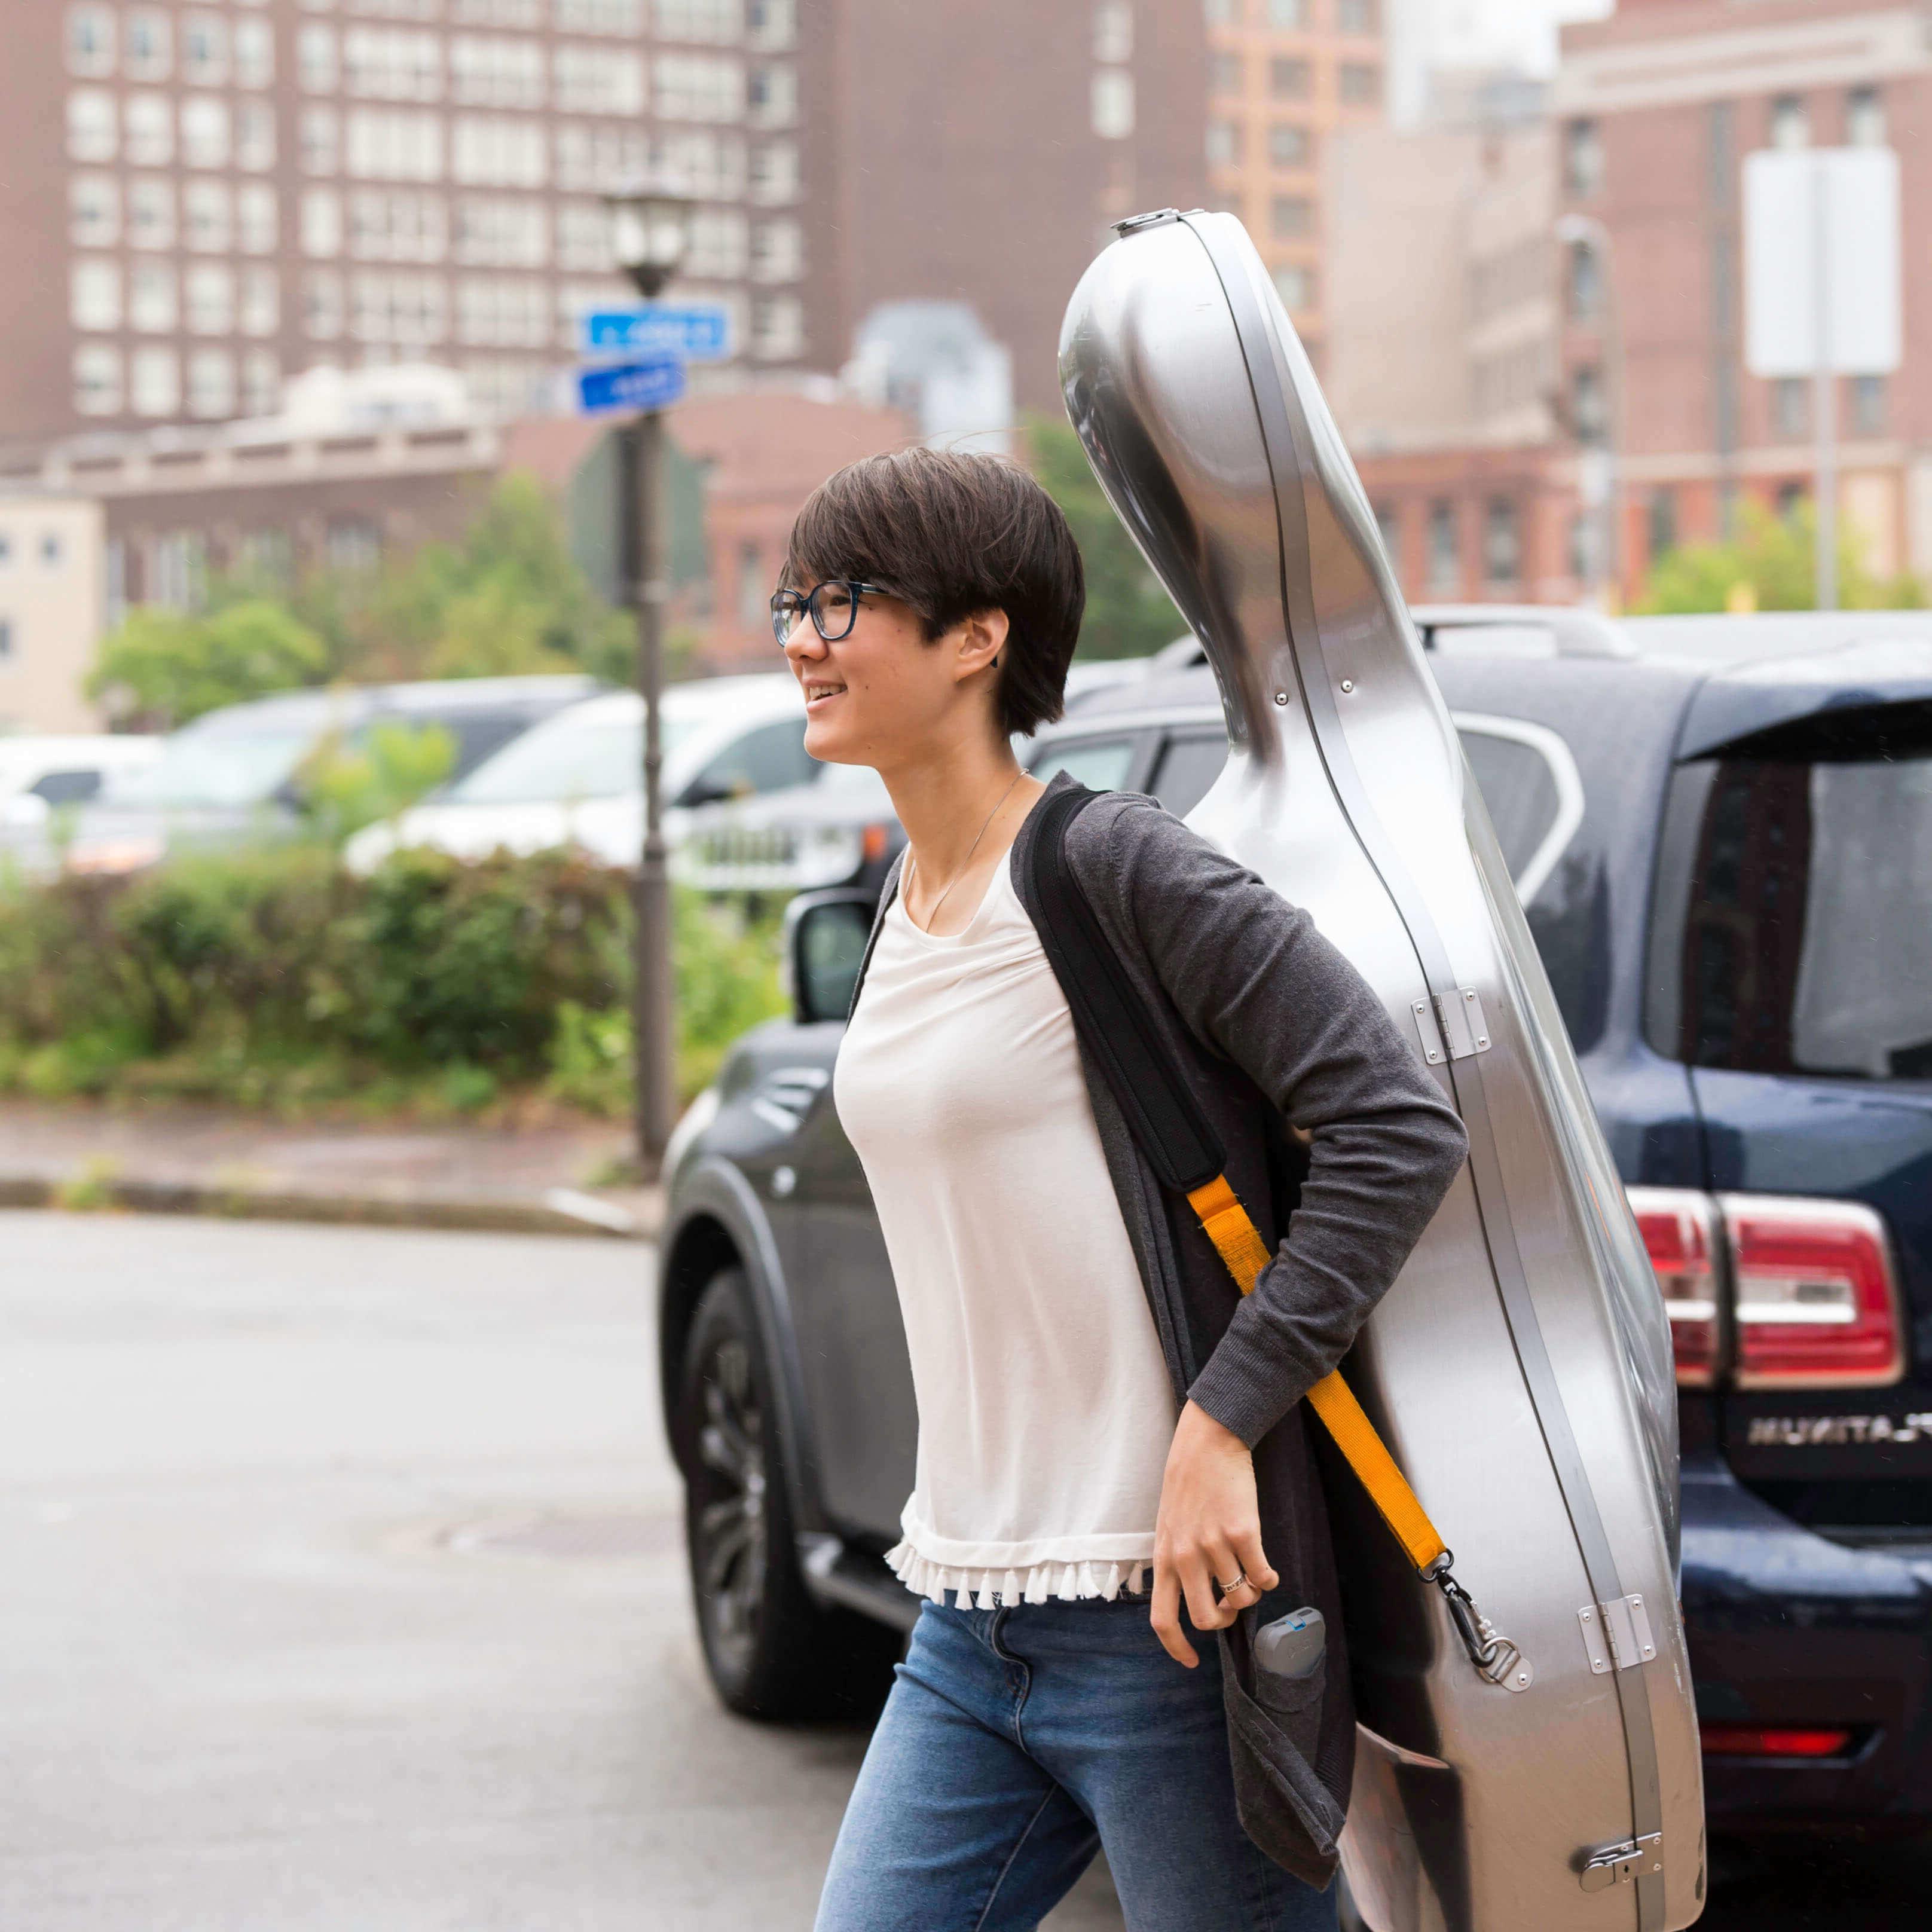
x: 1228, y: 1589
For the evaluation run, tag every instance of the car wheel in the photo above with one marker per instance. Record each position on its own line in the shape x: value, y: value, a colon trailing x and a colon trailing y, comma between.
x: 770, y: 1651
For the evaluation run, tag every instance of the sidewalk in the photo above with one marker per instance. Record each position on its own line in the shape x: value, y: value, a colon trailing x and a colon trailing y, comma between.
x: 204, y: 1161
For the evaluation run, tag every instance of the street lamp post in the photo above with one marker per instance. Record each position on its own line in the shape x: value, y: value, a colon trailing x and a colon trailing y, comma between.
x: 1586, y: 231
x: 649, y: 226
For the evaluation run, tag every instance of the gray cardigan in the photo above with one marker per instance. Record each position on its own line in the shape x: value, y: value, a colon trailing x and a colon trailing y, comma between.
x: 1273, y: 1026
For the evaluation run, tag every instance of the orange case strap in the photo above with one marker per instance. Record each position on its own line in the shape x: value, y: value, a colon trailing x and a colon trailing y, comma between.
x: 1239, y: 1245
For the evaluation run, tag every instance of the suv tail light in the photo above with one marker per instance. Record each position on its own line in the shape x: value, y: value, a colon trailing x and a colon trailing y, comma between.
x: 1815, y: 1302
x: 1679, y: 1226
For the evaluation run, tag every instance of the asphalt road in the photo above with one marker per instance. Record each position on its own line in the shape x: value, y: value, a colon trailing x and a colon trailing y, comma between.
x: 344, y: 1590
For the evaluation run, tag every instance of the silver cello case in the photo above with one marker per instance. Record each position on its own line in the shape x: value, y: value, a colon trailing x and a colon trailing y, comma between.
x: 1520, y: 1367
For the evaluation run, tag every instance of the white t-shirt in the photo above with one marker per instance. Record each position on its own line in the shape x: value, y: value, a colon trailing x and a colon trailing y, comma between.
x: 1045, y: 1408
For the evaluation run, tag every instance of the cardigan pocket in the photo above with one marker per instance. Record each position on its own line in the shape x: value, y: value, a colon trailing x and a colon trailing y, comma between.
x: 1284, y: 1807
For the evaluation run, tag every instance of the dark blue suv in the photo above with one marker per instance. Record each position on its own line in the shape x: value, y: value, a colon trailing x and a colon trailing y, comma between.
x: 1721, y: 832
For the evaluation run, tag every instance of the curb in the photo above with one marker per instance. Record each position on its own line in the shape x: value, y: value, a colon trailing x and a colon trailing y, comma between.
x: 564, y: 1211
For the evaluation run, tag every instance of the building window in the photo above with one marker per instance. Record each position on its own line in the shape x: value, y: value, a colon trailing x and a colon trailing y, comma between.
x: 397, y: 306
x: 720, y: 243
x: 1790, y: 498
x: 490, y: 73
x: 204, y: 132
x: 1587, y: 413
x: 210, y: 299
x: 401, y: 225
x: 151, y: 298
x: 1288, y: 16
x: 204, y: 50
x: 1221, y: 13
x: 771, y: 96
x: 1660, y: 523
x: 1224, y: 144
x: 1291, y: 217
x: 1790, y: 405
x: 207, y: 216
x: 256, y: 222
x: 490, y: 150
x: 90, y: 42
x: 583, y: 237
x: 151, y: 214
x: 97, y: 380
x: 778, y: 252
x: 1294, y: 282
x: 321, y: 140
x: 151, y: 130
x: 321, y: 304
x: 774, y: 174
x: 1583, y: 161
x: 1113, y: 31
x: 92, y: 135
x: 1356, y: 17
x: 1113, y: 104
x: 496, y: 232
x: 1445, y: 565
x: 353, y: 544
x: 1290, y: 146
x: 398, y: 144
x: 1360, y: 83
x: 771, y: 23
x: 1224, y: 73
x: 720, y: 22
x: 1502, y: 541
x: 315, y: 59
x: 698, y: 87
x: 503, y: 311
x: 261, y: 306
x: 1868, y: 405
x: 322, y: 222
x: 211, y: 383
x: 778, y: 327
x: 262, y: 396
x: 1864, y: 118
x: 254, y: 136
x: 156, y: 386
x: 94, y: 211
x: 393, y: 63
x: 254, y: 54
x: 1289, y: 79
x: 1586, y: 281
x: 149, y: 46
x: 95, y: 295
x: 1790, y: 124
x: 177, y: 569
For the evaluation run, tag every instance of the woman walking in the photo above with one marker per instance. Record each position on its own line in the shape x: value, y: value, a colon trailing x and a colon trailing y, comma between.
x: 1112, y: 1465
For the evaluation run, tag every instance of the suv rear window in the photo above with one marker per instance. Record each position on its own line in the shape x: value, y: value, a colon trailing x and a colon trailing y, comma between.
x: 1794, y: 902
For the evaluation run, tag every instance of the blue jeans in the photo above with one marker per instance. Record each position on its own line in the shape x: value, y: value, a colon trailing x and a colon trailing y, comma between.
x: 1017, y: 1741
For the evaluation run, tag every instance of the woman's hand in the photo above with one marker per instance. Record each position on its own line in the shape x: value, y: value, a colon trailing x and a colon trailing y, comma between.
x: 1209, y: 1529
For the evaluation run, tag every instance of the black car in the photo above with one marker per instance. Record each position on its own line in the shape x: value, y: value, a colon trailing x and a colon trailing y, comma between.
x: 1721, y: 832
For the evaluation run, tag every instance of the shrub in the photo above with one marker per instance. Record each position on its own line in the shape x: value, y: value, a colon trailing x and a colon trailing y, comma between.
x: 276, y: 977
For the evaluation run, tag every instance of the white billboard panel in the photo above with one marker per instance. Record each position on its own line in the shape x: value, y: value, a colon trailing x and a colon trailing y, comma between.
x: 1821, y: 241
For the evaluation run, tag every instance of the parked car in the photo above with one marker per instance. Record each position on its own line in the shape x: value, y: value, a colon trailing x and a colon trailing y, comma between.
x: 234, y: 775
x: 1720, y: 829
x: 838, y: 827
x: 579, y: 779
x: 45, y: 774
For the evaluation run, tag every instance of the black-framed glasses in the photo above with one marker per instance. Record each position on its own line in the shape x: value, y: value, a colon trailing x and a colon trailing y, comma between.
x: 833, y: 606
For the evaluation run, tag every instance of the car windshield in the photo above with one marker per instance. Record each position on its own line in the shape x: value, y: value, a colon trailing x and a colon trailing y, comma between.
x: 220, y: 769
x: 1793, y: 900
x: 568, y: 758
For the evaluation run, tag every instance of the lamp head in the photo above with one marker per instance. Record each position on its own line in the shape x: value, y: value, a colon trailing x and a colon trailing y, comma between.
x: 650, y: 231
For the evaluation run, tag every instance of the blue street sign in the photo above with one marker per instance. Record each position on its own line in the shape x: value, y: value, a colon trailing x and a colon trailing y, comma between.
x: 650, y: 382
x: 699, y: 331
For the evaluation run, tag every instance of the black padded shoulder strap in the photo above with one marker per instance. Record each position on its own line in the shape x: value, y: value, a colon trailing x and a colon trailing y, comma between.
x: 1111, y: 1014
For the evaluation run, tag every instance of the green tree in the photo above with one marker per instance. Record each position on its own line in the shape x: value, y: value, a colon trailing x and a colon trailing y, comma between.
x: 345, y: 787
x: 1128, y: 614
x: 1770, y: 565
x: 161, y: 668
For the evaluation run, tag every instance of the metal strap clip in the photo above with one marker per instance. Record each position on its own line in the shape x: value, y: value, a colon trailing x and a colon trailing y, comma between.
x: 1494, y: 1657
x: 1620, y: 1864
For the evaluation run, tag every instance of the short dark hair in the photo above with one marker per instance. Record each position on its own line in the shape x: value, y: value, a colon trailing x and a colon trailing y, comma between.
x: 955, y: 532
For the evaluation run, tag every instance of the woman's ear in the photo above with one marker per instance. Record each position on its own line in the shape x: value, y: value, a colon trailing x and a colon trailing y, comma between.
x: 981, y: 637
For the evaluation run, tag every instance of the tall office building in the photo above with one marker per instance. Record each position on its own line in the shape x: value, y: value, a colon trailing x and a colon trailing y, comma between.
x: 203, y: 200
x: 1282, y: 76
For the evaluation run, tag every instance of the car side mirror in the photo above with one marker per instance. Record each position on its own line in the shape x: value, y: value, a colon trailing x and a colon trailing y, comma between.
x: 825, y: 935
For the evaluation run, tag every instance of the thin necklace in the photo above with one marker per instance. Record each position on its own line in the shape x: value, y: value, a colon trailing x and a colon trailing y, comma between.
x: 912, y: 861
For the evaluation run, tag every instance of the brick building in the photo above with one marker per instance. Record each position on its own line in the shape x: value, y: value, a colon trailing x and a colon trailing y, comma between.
x: 1657, y: 106
x: 1283, y: 77
x: 204, y: 199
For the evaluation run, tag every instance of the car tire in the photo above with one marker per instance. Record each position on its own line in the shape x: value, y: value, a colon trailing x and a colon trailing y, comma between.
x: 770, y: 1651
